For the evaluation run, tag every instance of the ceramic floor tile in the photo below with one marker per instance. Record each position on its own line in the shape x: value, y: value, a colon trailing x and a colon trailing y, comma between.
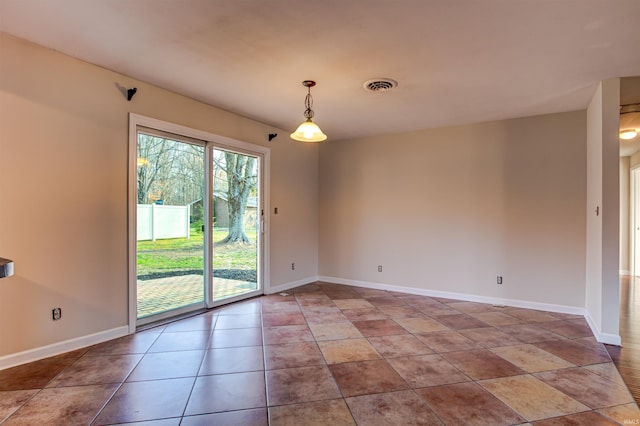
x: 366, y: 314
x: 138, y: 343
x: 380, y: 302
x: 366, y: 377
x: 184, y: 341
x: 76, y: 354
x: 238, y: 321
x: 243, y: 307
x: 141, y: 401
x: 415, y: 300
x: 380, y: 373
x: 531, y: 358
x: 561, y: 315
x: 253, y: 417
x: 173, y: 421
x: 426, y: 370
x: 572, y: 329
x: 473, y: 307
x: 341, y: 294
x: 286, y: 306
x: 445, y: 300
x: 371, y: 292
x: 325, y: 317
x: 97, y: 370
x: 628, y: 414
x: 468, y: 404
x: 338, y: 331
x: 33, y: 375
x: 530, y: 333
x: 332, y: 412
x: 590, y: 418
x: 316, y: 302
x: 394, y: 408
x: 385, y: 327
x: 424, y: 303
x: 303, y: 384
x: 282, y: 318
x: 496, y: 318
x: 166, y: 365
x: 196, y: 323
x: 420, y: 325
x: 292, y: 355
x: 232, y: 360
x: 76, y: 405
x: 398, y: 345
x: 320, y: 310
x: 460, y: 321
x: 447, y: 341
x: 287, y: 334
x: 402, y: 312
x: 10, y: 401
x: 359, y: 303
x: 335, y: 351
x: 227, y: 392
x: 607, y: 370
x: 489, y: 337
x: 229, y: 338
x: 586, y: 387
x: 530, y: 315
x: 482, y: 364
x: 534, y: 399
x: 435, y: 311
x: 577, y: 353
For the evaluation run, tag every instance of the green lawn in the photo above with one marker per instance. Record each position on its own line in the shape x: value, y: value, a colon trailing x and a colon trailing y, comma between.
x: 182, y: 254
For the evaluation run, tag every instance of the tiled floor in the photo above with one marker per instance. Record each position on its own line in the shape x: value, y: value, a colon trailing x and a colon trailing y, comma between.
x: 333, y: 355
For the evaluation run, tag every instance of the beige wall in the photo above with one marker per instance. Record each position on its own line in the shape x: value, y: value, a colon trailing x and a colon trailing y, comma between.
x: 63, y: 173
x: 603, y: 192
x: 450, y: 209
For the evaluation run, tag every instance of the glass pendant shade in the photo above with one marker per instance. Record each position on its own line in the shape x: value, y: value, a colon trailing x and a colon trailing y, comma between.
x: 628, y: 134
x: 308, y: 131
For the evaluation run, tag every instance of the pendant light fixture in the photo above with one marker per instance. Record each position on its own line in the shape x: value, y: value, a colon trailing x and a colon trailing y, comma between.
x: 308, y: 131
x: 628, y: 134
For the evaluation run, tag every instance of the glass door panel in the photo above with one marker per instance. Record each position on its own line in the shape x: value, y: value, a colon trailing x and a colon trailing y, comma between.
x: 170, y: 233
x: 236, y: 224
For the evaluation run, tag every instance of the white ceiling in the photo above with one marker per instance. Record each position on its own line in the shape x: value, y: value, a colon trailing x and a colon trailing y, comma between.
x: 456, y: 61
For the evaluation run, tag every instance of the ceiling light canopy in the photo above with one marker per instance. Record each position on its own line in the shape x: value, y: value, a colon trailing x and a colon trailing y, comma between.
x: 308, y: 131
x: 628, y: 134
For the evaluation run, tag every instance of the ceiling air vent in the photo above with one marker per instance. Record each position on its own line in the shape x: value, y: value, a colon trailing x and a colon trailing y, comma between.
x: 380, y: 85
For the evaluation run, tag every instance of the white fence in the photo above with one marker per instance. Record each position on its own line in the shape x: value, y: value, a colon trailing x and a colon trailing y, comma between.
x: 157, y: 222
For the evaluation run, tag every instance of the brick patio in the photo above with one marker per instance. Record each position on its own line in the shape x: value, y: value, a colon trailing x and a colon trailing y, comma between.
x: 163, y: 294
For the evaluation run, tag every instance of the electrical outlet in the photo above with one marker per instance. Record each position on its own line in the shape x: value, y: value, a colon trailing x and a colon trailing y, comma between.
x: 499, y: 280
x: 379, y: 268
x: 56, y: 313
x: 293, y: 266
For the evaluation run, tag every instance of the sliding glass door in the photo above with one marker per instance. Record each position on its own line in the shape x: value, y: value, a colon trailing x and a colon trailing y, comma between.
x: 236, y: 223
x: 197, y: 236
x: 170, y: 234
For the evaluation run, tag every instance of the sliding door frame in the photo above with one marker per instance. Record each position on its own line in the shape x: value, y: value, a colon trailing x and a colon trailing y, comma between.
x: 211, y: 141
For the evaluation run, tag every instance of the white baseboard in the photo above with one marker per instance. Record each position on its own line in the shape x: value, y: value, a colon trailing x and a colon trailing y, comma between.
x: 575, y: 310
x: 290, y: 285
x: 608, y: 338
x: 54, y: 349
